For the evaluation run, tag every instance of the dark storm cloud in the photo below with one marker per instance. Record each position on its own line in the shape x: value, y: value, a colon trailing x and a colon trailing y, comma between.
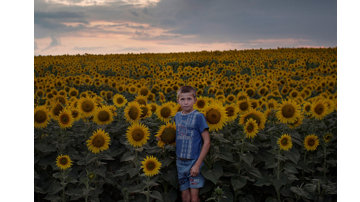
x: 54, y: 42
x: 134, y: 13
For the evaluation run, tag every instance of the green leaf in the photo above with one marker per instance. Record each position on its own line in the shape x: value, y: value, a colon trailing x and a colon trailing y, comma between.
x: 137, y: 188
x: 214, y: 174
x: 120, y: 172
x: 290, y: 168
x: 101, y: 171
x: 41, y: 146
x: 39, y: 190
x: 150, y: 183
x: 156, y: 195
x: 57, y: 175
x: 111, y: 180
x: 127, y: 157
x: 225, y: 154
x: 54, y: 188
x: 219, y: 137
x: 278, y: 182
x: 253, y: 171
x: 236, y: 183
x: 248, y: 158
x: 171, y: 177
x: 293, y: 155
x: 263, y: 181
x: 36, y: 176
x: 133, y: 171
x: 90, y: 158
x: 207, y: 187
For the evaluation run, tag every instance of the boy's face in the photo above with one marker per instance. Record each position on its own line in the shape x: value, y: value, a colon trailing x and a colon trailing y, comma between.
x: 186, y: 101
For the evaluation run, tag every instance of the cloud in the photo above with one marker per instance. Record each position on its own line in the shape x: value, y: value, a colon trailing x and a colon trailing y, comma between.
x: 133, y: 49
x: 86, y: 48
x: 54, y: 42
x: 134, y: 13
x: 35, y: 46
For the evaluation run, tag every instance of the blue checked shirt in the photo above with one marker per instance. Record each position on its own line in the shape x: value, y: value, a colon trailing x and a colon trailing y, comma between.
x: 188, y: 134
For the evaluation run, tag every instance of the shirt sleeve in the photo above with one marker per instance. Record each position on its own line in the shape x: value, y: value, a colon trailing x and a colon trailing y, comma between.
x: 201, y: 122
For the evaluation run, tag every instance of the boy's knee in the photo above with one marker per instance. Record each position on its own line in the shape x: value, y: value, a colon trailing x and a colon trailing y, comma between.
x: 195, y: 199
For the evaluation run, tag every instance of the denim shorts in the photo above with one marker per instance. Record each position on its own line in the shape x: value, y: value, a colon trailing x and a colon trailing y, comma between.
x: 183, y: 170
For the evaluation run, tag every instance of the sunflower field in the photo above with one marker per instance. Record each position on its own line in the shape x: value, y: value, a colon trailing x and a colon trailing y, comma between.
x: 272, y: 116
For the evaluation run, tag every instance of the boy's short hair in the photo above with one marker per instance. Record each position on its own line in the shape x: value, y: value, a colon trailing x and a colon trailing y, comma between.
x: 186, y: 89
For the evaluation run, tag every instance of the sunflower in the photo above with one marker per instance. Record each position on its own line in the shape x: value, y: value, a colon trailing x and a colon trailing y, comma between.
x: 103, y: 116
x: 99, y: 141
x: 232, y: 111
x: 75, y: 112
x: 242, y: 96
x: 63, y: 161
x: 230, y: 98
x: 251, y: 128
x: 87, y: 106
x: 270, y: 113
x: 153, y: 107
x: 294, y: 94
x: 319, y: 109
x: 254, y: 103
x: 311, y: 142
x: 244, y: 105
x: 151, y: 166
x: 132, y: 112
x: 165, y: 111
x: 133, y: 89
x: 145, y: 111
x: 65, y: 119
x: 327, y: 137
x: 73, y: 92
x: 200, y: 103
x: 271, y: 104
x: 297, y: 123
x: 288, y: 111
x: 137, y: 134
x: 177, y: 108
x: 307, y: 108
x: 119, y: 100
x: 331, y: 105
x: 215, y: 115
x: 62, y: 99
x: 285, y: 142
x: 151, y: 97
x: 167, y: 134
x: 258, y: 116
x: 162, y: 97
x: 142, y: 100
x: 55, y: 110
x: 41, y: 117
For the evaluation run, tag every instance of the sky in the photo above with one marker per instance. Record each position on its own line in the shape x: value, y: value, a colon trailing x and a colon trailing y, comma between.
x: 162, y: 26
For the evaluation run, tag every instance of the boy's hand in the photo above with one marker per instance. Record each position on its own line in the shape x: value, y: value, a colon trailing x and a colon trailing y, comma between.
x: 194, y: 171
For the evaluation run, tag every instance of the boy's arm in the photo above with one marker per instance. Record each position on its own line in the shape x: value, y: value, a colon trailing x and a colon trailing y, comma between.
x: 194, y: 171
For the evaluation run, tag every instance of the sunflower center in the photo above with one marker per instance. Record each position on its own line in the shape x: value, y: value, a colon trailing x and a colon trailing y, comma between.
x: 168, y: 135
x: 144, y: 111
x: 119, y: 100
x: 133, y: 113
x: 250, y: 128
x: 254, y: 117
x: 73, y: 93
x: 213, y: 116
x: 271, y: 105
x: 307, y: 108
x: 63, y: 161
x: 40, y: 116
x: 288, y: 111
x: 319, y: 109
x: 201, y: 104
x: 153, y: 108
x: 165, y: 112
x: 87, y: 106
x: 141, y: 101
x: 311, y: 142
x: 230, y: 111
x: 244, y: 106
x: 150, y: 97
x: 242, y: 97
x: 284, y: 141
x: 75, y: 114
x: 65, y: 119
x: 250, y: 92
x: 150, y: 166
x: 57, y: 109
x: 98, y: 141
x: 138, y: 134
x: 231, y: 98
x: 104, y: 116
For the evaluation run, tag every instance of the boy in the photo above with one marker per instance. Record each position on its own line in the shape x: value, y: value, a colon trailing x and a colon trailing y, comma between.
x: 191, y: 129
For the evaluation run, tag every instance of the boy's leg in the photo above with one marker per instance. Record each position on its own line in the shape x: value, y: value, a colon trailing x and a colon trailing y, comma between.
x: 185, y: 195
x: 194, y: 192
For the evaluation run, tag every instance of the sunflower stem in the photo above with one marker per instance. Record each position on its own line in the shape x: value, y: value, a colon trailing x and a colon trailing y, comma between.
x: 148, y: 189
x: 325, y: 161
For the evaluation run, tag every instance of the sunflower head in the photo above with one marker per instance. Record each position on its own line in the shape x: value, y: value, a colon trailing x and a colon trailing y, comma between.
x: 56, y: 109
x: 41, y: 116
x: 288, y: 111
x: 327, y: 137
x: 319, y: 109
x: 63, y: 161
x: 251, y: 128
x: 87, y: 106
x: 119, y: 100
x: 145, y: 111
x: 215, y: 115
x: 151, y: 166
x: 311, y: 142
x: 142, y: 100
x: 258, y: 116
x: 137, y: 134
x: 231, y: 112
x: 167, y: 134
x: 65, y: 119
x: 165, y: 112
x: 132, y: 112
x: 285, y: 142
x: 200, y: 103
x: 99, y: 141
x: 103, y: 115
